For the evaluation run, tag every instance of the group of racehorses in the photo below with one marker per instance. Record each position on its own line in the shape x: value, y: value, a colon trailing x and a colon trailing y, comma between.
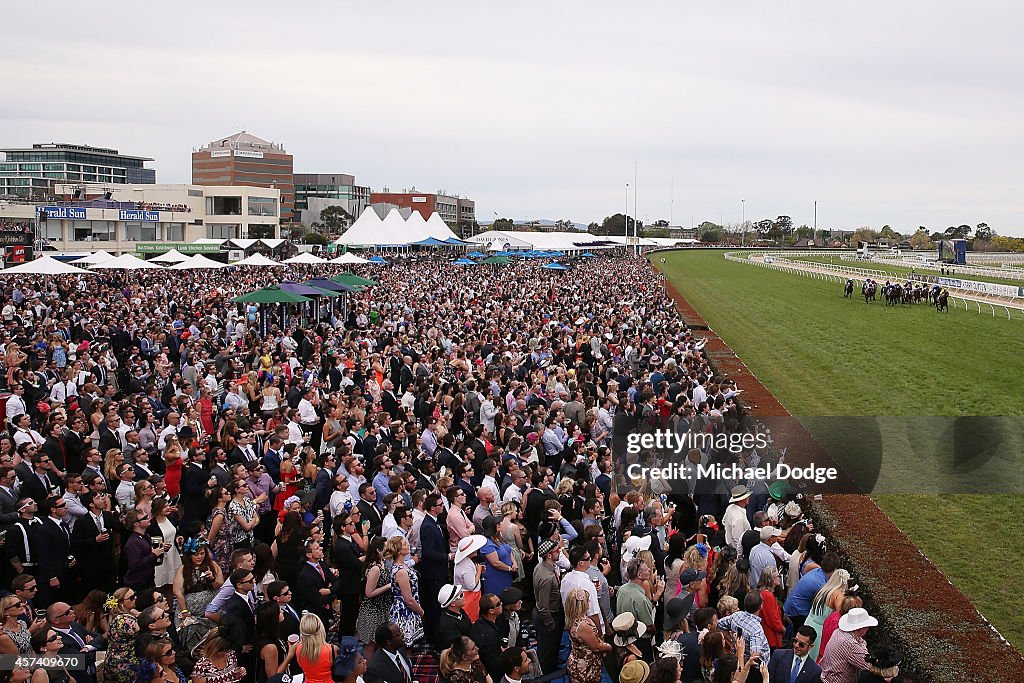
x: 896, y: 293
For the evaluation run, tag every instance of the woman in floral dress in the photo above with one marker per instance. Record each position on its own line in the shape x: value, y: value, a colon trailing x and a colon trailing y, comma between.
x: 584, y: 665
x: 406, y: 610
x: 376, y: 605
x: 219, y: 536
x: 121, y: 661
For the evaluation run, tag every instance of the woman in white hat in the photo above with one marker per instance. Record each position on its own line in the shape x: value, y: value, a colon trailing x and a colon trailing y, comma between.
x: 468, y: 570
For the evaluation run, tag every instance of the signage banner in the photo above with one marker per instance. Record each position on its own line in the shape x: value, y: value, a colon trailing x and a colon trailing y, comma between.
x: 984, y: 287
x: 135, y: 215
x: 419, y: 200
x: 64, y: 212
x: 221, y: 153
x: 248, y: 154
x: 184, y: 248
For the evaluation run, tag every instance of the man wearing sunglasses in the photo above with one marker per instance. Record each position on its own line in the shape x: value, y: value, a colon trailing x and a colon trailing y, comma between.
x: 54, y: 554
x: 793, y: 665
x: 76, y: 638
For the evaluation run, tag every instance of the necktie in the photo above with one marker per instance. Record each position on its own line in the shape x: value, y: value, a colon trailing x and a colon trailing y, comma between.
x: 99, y: 523
x: 252, y: 602
x: 320, y: 570
x: 796, y: 670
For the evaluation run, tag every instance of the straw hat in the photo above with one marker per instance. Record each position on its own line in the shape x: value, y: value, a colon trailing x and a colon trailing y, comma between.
x: 469, y: 545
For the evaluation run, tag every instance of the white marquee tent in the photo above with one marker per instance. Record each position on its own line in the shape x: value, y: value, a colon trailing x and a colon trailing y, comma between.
x: 94, y: 258
x: 172, y: 256
x: 370, y: 230
x: 44, y: 266
x: 126, y: 262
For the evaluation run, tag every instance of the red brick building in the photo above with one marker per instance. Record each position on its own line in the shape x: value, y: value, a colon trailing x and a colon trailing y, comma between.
x: 459, y: 213
x: 244, y: 159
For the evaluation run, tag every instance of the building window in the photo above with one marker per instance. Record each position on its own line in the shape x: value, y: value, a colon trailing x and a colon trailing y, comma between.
x: 224, y: 206
x: 175, y: 232
x: 94, y: 231
x: 53, y: 167
x: 221, y: 232
x: 259, y: 231
x: 52, y: 230
x: 141, y: 232
x: 262, y: 206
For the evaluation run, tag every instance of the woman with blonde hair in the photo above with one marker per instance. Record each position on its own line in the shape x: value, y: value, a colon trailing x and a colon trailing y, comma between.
x: 461, y: 663
x: 313, y: 654
x: 587, y: 648
x: 516, y: 536
x: 112, y: 460
x: 406, y: 610
x: 124, y: 628
x: 15, y: 637
x: 145, y: 492
x: 828, y: 599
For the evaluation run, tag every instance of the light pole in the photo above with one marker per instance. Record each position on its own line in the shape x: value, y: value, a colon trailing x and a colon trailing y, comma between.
x: 743, y: 221
x: 625, y: 217
x: 636, y: 213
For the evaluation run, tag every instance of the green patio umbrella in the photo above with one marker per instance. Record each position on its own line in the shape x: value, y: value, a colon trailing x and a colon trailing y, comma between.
x: 352, y: 279
x: 495, y: 261
x: 270, y: 295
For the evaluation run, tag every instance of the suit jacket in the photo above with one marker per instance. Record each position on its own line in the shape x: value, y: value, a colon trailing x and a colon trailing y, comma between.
x: 237, y: 621
x: 108, y: 439
x: 781, y: 664
x: 94, y: 559
x: 324, y: 485
x: 346, y: 558
x: 487, y: 637
x: 74, y: 449
x: 369, y: 511
x: 307, y: 591
x: 8, y: 508
x: 383, y: 668
x: 194, y: 483
x: 71, y: 646
x: 54, y: 448
x: 53, y: 551
x: 32, y: 487
x: 434, y: 560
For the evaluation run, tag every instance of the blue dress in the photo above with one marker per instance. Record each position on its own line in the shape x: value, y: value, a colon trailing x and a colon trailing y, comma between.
x: 407, y: 620
x: 496, y: 580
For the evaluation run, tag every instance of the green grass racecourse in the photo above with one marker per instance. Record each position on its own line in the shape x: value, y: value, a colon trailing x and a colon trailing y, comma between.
x: 822, y: 355
x: 904, y: 270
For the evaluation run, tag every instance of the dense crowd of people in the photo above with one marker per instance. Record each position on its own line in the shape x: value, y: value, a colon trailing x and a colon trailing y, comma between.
x: 426, y: 483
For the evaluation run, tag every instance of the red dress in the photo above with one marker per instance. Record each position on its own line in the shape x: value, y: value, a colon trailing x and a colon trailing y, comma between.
x: 173, y: 478
x: 206, y: 415
x: 289, y: 480
x: 771, y: 619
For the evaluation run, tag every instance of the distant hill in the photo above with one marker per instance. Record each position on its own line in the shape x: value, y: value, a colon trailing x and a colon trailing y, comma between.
x: 543, y: 222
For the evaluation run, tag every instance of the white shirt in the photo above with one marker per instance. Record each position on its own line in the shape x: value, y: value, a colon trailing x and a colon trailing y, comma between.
x: 490, y: 483
x: 307, y: 413
x: 28, y: 436
x: 577, y: 579
x: 169, y: 430
x: 735, y: 522
x: 15, y: 406
x: 295, y: 433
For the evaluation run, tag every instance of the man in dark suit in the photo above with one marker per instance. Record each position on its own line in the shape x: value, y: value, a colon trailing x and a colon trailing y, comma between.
x: 195, y: 481
x: 92, y: 542
x: 388, y: 401
x: 390, y: 663
x: 279, y: 593
x: 42, y: 483
x: 324, y: 483
x: 433, y: 561
x: 8, y: 499
x: 53, y: 446
x: 488, y: 632
x: 313, y: 587
x: 238, y: 617
x: 272, y: 459
x: 53, y: 552
x: 368, y: 508
x: 76, y: 638
x: 795, y: 666
x: 346, y: 559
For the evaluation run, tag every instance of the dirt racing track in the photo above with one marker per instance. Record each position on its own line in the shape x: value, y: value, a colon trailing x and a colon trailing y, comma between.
x: 944, y: 637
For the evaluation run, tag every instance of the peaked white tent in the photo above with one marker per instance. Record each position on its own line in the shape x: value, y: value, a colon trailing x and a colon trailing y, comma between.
x: 258, y: 260
x: 172, y: 256
x: 438, y: 229
x: 365, y: 229
x: 305, y: 257
x: 416, y: 227
x: 126, y: 262
x: 393, y: 230
x: 349, y: 258
x: 197, y: 262
x: 44, y: 266
x: 94, y: 258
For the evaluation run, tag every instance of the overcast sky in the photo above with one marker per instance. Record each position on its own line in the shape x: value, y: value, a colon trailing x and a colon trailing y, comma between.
x: 901, y: 113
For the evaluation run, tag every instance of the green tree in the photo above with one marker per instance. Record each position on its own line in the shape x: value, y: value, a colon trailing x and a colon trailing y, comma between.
x: 863, y: 235
x: 593, y: 227
x: 785, y: 225
x: 984, y: 232
x: 660, y: 223
x: 335, y: 219
x: 655, y: 232
x: 503, y: 224
x: 763, y: 227
x: 707, y: 225
x: 958, y: 232
x: 712, y: 236
x: 804, y: 232
x: 921, y: 239
x: 316, y: 238
x: 889, y: 234
x: 616, y: 225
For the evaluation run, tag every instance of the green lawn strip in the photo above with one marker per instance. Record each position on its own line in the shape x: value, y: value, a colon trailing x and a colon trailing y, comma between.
x: 821, y: 354
x: 903, y: 270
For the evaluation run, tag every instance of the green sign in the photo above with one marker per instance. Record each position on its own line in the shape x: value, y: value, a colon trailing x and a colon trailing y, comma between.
x: 161, y: 247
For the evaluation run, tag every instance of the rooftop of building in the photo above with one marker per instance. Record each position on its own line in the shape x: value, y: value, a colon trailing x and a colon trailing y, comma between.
x: 67, y: 147
x: 244, y: 140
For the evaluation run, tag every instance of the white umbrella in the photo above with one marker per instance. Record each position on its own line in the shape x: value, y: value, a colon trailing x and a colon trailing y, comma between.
x: 258, y: 259
x: 172, y: 256
x: 196, y: 262
x: 45, y: 266
x: 127, y: 262
x: 94, y: 258
x: 305, y: 258
x: 349, y: 257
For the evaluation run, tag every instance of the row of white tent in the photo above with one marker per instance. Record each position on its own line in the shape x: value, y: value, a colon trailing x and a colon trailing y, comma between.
x: 393, y: 231
x: 172, y: 260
